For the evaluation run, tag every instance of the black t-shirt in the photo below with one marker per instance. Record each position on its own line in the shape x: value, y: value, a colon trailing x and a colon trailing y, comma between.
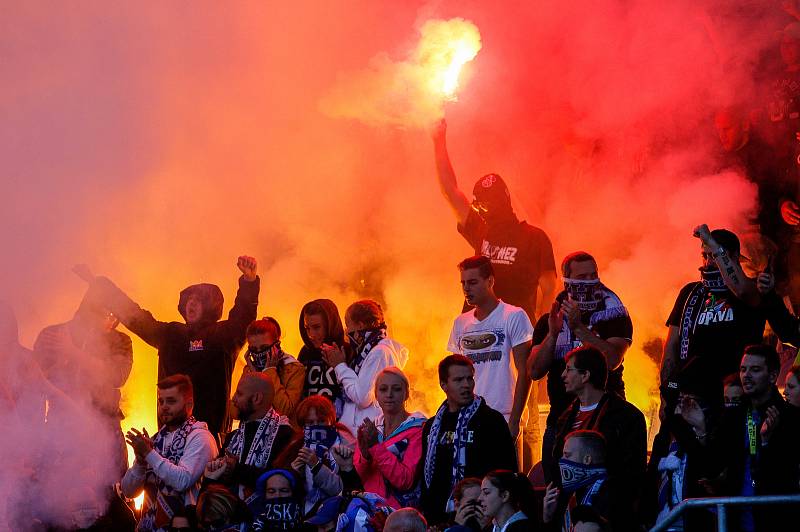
x: 520, y: 254
x: 721, y: 327
x: 559, y: 398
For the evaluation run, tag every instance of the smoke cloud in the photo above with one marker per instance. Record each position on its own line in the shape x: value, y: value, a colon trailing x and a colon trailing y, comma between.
x: 157, y: 144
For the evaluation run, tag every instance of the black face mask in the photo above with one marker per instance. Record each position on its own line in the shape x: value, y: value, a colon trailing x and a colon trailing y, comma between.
x: 585, y: 292
x: 712, y: 279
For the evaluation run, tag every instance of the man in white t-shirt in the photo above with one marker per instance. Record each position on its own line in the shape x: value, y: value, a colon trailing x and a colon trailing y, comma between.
x: 491, y: 335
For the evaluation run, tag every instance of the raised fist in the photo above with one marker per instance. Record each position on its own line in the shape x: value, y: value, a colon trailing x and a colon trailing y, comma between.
x: 248, y: 266
x: 703, y: 233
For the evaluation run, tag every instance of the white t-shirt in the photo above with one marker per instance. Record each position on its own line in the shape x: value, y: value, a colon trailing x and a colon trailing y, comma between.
x: 488, y: 344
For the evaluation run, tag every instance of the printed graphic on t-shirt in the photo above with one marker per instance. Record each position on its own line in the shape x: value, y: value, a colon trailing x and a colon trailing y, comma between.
x: 473, y: 345
x: 715, y: 313
x: 499, y: 254
x: 447, y: 438
x: 196, y: 345
x: 321, y: 380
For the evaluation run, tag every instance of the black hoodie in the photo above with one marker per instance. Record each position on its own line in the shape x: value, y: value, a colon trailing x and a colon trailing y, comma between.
x: 205, y: 351
x: 321, y: 379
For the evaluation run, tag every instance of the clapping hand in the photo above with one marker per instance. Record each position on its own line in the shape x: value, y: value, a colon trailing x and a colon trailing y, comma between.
x: 343, y: 456
x: 141, y: 442
x: 333, y: 355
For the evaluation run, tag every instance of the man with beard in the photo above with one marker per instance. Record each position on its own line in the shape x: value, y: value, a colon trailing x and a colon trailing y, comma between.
x: 204, y: 348
x: 466, y: 438
x: 717, y: 316
x: 170, y: 465
x: 263, y: 432
x: 586, y: 312
x: 756, y: 444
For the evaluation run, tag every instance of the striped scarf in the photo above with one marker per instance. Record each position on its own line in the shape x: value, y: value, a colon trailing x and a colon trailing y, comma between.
x: 459, y: 441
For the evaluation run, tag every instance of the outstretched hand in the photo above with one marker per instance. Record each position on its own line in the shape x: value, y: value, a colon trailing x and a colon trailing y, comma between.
x: 84, y: 272
x: 248, y: 266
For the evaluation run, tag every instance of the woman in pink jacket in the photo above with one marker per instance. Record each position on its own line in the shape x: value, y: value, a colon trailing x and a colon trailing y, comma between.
x: 390, y: 448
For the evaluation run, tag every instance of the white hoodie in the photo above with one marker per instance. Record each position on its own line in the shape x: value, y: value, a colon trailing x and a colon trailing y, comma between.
x: 359, y: 390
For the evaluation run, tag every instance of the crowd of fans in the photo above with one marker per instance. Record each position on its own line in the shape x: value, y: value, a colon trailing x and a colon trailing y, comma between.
x: 325, y: 441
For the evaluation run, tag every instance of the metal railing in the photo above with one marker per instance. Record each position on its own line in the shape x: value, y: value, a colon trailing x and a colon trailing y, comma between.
x: 720, y: 503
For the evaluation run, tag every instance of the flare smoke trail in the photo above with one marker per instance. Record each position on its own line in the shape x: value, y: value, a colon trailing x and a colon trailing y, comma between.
x: 157, y: 144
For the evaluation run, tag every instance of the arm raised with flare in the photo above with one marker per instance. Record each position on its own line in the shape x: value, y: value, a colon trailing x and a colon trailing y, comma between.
x: 447, y: 177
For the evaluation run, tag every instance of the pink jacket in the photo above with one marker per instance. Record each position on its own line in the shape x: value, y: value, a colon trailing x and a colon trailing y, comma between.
x: 391, y: 471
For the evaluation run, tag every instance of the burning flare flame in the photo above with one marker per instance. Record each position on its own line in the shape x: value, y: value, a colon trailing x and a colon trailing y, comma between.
x: 445, y: 47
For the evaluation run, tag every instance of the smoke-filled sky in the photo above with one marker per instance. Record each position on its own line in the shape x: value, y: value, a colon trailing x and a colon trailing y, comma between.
x: 158, y: 141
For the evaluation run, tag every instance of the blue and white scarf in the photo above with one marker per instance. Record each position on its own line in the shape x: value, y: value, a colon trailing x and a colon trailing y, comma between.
x: 261, y: 448
x: 459, y: 441
x: 371, y: 338
x: 160, y: 500
x: 609, y: 307
x: 409, y: 497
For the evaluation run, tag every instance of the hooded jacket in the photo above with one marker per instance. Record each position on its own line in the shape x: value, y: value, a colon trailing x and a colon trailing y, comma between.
x: 320, y: 379
x: 104, y: 363
x: 358, y: 389
x: 206, y: 351
x: 391, y: 468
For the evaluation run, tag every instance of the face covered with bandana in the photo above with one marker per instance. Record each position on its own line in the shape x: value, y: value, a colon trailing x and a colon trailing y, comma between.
x: 583, y: 285
x: 577, y: 467
x: 709, y: 271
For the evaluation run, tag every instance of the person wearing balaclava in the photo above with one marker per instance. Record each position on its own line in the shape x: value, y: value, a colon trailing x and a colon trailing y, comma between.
x: 586, y: 312
x: 204, y: 348
x: 716, y: 316
x: 521, y: 254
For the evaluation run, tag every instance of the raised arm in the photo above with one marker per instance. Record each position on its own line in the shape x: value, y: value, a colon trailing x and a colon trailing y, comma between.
x: 447, y: 177
x: 732, y: 274
x: 245, y: 306
x: 132, y: 316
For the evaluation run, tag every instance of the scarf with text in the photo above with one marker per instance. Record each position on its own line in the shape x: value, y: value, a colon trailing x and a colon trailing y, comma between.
x: 261, y: 449
x: 609, y: 306
x: 160, y: 500
x: 460, y: 438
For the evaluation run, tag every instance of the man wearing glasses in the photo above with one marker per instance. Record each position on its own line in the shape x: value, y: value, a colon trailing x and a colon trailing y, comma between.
x: 621, y: 424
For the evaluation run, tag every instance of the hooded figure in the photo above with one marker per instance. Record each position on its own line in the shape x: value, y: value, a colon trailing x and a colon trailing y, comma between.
x: 321, y: 379
x: 203, y: 348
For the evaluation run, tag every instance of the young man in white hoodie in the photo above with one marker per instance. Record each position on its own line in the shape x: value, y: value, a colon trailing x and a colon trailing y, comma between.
x: 372, y: 351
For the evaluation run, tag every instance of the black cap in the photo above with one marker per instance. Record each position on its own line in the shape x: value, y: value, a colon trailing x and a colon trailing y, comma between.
x: 491, y: 187
x: 727, y: 240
